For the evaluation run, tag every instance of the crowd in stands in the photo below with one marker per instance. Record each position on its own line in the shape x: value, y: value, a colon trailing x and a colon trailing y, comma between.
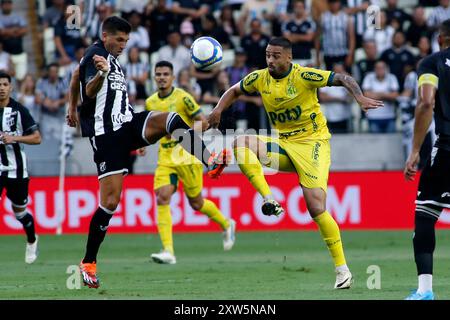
x: 329, y: 34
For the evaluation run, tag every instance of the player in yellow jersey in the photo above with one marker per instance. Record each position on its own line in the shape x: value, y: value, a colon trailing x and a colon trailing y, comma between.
x: 175, y: 163
x: 289, y: 94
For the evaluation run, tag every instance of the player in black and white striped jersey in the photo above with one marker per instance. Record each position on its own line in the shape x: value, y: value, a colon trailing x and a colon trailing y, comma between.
x: 17, y: 126
x: 114, y: 129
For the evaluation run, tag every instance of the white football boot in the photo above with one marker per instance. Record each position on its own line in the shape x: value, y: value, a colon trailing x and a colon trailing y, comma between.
x: 31, y: 251
x: 229, y: 236
x: 344, y: 279
x: 164, y: 257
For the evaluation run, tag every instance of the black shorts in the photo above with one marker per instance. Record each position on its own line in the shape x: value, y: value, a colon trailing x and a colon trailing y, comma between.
x: 434, y: 185
x: 16, y: 190
x: 112, y: 150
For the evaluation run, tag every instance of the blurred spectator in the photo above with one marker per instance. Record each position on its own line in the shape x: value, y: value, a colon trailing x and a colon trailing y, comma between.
x: 437, y: 16
x: 89, y: 9
x: 159, y: 20
x: 13, y: 28
x: 190, y: 10
x: 94, y: 27
x: 188, y: 84
x: 236, y: 73
x: 366, y: 65
x: 6, y: 63
x: 137, y: 71
x: 175, y: 52
x: 67, y: 40
x: 138, y: 36
x: 338, y: 37
x: 127, y: 7
x: 27, y: 97
x: 381, y: 85
x: 211, y: 29
x: 382, y: 36
x: 51, y: 96
x: 53, y: 13
x: 336, y: 103
x: 357, y: 10
x: 221, y: 84
x: 227, y: 21
x: 66, y: 72
x: 255, y: 45
x: 399, y: 59
x: 418, y: 27
x: 396, y: 17
x: 424, y: 46
x: 300, y: 30
x: 263, y: 10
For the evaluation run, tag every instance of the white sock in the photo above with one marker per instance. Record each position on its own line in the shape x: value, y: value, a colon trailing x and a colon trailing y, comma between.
x: 425, y: 283
x: 269, y: 197
x: 342, y: 268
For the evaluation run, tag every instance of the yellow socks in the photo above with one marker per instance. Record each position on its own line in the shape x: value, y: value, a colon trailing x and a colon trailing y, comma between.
x: 250, y: 166
x: 330, y: 234
x: 165, y: 227
x: 211, y: 210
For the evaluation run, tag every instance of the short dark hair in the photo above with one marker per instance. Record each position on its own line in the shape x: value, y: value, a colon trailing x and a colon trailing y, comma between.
x: 281, y: 42
x: 164, y: 63
x: 4, y: 75
x: 113, y: 24
x: 53, y: 64
x: 444, y: 28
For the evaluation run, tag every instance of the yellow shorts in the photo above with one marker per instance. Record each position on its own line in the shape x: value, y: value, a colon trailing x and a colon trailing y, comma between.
x: 310, y: 159
x: 191, y: 176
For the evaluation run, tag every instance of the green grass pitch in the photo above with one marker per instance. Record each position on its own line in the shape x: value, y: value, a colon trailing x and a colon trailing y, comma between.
x: 262, y: 265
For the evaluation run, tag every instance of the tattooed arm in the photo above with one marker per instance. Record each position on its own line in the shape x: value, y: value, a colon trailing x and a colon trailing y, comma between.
x: 352, y: 86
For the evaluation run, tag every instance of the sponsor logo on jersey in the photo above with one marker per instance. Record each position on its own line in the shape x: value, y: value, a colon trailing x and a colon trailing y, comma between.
x: 315, y: 153
x: 313, y: 117
x: 121, y: 118
x: 286, y: 115
x: 251, y: 78
x: 188, y: 103
x: 117, y: 81
x: 312, y: 76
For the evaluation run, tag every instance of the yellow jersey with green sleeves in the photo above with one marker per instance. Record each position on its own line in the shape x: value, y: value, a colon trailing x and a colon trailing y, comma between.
x: 291, y: 101
x: 170, y: 152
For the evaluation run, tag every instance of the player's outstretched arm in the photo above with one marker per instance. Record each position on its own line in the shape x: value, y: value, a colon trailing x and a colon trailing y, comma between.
x: 74, y: 95
x: 352, y: 86
x: 227, y: 99
x: 423, y: 117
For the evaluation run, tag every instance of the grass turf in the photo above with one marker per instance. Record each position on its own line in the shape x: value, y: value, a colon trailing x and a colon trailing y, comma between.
x: 262, y: 265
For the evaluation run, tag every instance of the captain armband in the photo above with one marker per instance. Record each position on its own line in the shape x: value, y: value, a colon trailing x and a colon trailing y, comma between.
x: 429, y: 78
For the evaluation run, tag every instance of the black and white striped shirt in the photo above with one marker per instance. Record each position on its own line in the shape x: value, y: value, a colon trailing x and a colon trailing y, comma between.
x: 110, y: 108
x: 15, y: 120
x: 360, y: 17
x: 135, y: 69
x: 334, y: 30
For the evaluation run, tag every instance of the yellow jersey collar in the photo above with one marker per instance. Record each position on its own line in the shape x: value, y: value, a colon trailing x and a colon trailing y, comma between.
x: 284, y: 75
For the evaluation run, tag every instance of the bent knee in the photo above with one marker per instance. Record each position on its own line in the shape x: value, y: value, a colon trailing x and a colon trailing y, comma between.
x: 162, y: 198
x: 315, y: 210
x: 196, y: 204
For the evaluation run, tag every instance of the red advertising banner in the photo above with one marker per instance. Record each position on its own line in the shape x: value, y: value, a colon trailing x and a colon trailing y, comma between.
x: 357, y: 200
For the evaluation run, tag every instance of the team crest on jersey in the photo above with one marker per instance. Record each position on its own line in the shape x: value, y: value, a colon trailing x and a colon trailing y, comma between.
x: 102, y: 166
x: 251, y: 78
x: 291, y: 89
x: 188, y: 103
x: 312, y: 76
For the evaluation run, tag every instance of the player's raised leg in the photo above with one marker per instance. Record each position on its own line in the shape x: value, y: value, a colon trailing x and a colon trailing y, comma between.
x: 164, y: 221
x: 316, y: 203
x: 160, y: 124
x: 110, y: 190
x: 250, y: 153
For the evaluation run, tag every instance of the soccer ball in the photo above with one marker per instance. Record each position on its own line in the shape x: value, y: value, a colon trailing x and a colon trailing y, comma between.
x: 206, y: 53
